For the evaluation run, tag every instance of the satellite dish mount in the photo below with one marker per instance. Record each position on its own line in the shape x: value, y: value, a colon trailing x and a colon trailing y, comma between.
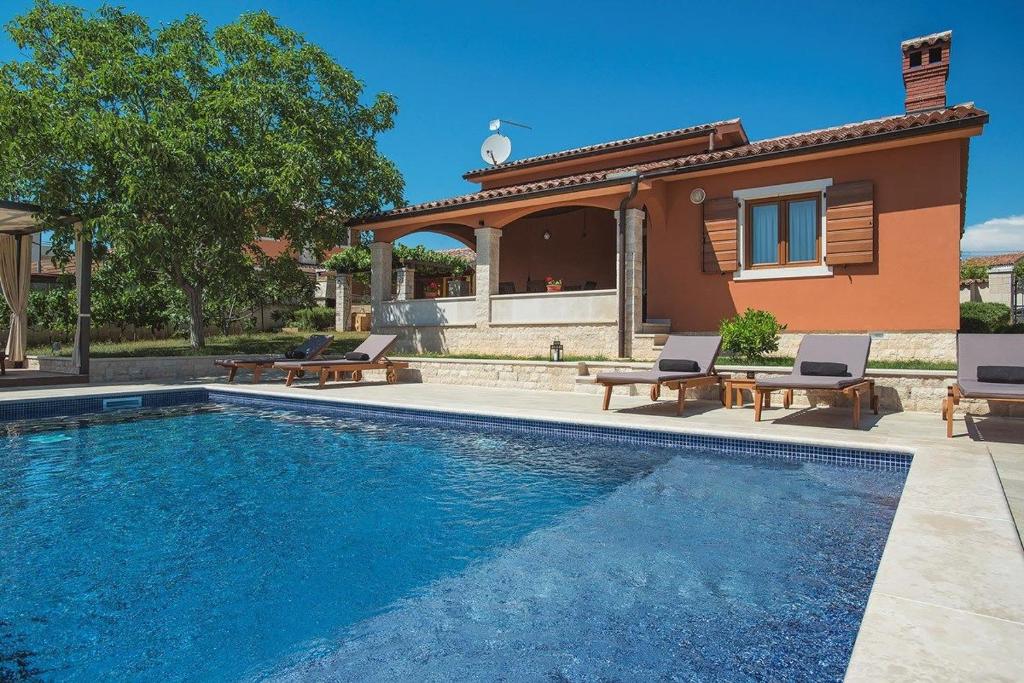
x: 497, y: 147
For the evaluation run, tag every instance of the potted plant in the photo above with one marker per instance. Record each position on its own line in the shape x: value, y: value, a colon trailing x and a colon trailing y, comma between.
x: 553, y: 284
x: 432, y: 290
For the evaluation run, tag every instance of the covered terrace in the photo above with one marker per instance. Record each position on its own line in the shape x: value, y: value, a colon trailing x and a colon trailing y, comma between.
x: 18, y: 222
x: 545, y: 270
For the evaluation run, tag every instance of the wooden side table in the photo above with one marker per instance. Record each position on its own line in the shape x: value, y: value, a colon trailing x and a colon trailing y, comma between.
x: 734, y: 387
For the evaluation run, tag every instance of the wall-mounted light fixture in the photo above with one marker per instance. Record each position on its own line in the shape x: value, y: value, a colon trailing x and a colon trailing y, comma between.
x: 547, y: 234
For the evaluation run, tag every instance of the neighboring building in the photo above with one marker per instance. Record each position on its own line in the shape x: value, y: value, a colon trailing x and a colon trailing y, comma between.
x: 324, y: 292
x: 1001, y: 286
x: 851, y: 228
x: 45, y: 274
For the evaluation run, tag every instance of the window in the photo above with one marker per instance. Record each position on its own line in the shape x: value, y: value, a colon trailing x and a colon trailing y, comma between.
x: 915, y: 59
x: 784, y: 231
x: 935, y: 55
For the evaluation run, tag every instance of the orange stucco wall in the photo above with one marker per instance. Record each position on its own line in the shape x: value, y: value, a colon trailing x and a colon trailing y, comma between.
x: 577, y: 251
x: 913, y: 286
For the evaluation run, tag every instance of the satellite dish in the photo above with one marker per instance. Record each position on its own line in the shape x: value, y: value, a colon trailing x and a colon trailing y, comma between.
x: 496, y: 149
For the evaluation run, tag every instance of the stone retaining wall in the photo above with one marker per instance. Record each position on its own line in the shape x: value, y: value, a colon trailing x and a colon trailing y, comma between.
x: 899, y: 390
x: 115, y: 370
x: 591, y: 339
x: 601, y: 339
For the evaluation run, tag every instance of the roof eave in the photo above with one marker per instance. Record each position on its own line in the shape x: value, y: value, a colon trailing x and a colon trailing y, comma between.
x: 826, y: 146
x: 607, y: 182
x: 969, y: 122
x: 586, y: 153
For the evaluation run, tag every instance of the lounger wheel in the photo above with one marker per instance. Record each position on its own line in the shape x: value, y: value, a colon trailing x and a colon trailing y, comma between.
x: 655, y: 392
x: 357, y: 375
x: 391, y: 375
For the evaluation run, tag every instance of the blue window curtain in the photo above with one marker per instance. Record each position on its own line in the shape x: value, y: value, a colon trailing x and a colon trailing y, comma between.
x: 764, y: 233
x: 803, y: 230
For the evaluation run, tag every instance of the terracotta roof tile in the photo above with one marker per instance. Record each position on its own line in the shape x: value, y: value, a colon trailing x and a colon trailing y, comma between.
x: 851, y: 133
x: 995, y: 259
x: 639, y: 140
x: 462, y: 252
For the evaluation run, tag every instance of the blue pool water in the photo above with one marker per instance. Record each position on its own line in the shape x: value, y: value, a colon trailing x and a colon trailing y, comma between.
x: 231, y: 543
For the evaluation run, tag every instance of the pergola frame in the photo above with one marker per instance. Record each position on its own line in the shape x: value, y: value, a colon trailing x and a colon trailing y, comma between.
x: 18, y: 219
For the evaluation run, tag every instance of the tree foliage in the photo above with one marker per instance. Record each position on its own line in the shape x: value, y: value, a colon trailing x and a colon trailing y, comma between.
x: 752, y: 335
x: 973, y: 271
x: 134, y: 300
x: 181, y: 146
x: 430, y: 262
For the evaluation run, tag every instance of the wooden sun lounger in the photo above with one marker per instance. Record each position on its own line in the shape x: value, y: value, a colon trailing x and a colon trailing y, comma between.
x: 851, y: 350
x: 973, y: 351
x: 375, y: 346
x: 313, y: 347
x: 701, y: 349
x: 335, y: 370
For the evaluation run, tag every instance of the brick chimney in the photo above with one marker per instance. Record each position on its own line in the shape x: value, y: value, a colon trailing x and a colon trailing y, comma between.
x: 925, y: 70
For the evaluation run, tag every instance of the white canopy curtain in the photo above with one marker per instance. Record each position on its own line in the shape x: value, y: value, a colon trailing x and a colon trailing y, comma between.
x: 15, y: 280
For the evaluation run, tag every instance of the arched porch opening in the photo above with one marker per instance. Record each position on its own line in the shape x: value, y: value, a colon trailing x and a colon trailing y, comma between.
x: 575, y: 245
x: 463, y: 234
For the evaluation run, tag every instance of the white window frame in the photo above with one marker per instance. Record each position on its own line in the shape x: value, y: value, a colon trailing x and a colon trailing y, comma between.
x: 820, y: 269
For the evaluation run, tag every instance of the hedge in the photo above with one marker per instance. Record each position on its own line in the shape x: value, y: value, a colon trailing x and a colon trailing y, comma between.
x: 316, y: 318
x: 985, y: 317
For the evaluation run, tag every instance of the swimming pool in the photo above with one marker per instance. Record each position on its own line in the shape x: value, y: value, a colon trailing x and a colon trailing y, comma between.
x: 231, y: 538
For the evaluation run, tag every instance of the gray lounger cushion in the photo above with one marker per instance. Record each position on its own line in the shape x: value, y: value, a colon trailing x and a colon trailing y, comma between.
x: 310, y: 348
x: 374, y: 346
x: 795, y: 381
x: 972, y: 388
x: 849, y: 349
x: 231, y: 362
x: 644, y: 377
x: 973, y: 350
x: 702, y: 349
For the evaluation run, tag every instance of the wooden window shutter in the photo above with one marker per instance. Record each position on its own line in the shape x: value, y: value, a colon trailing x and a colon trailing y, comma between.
x: 850, y: 223
x: 720, y: 239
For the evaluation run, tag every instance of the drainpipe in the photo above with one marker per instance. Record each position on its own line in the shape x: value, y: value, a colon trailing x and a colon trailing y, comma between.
x: 622, y: 262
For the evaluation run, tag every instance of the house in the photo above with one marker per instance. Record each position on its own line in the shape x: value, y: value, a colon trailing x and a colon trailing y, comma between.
x: 851, y: 228
x: 1001, y: 286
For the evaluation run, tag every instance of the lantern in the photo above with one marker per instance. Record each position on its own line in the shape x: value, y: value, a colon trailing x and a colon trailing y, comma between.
x: 556, y: 351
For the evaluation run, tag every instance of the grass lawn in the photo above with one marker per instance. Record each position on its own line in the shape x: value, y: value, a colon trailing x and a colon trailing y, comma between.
x: 278, y: 343
x: 263, y: 343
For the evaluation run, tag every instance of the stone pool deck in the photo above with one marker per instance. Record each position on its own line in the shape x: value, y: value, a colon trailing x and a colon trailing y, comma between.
x: 948, y: 599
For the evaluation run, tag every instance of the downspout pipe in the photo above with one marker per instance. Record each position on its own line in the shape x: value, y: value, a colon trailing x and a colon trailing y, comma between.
x: 634, y: 186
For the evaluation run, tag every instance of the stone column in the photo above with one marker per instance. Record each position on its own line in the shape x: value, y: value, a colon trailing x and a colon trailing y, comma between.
x: 380, y: 278
x: 343, y: 302
x: 488, y: 247
x: 633, y: 290
x: 405, y: 284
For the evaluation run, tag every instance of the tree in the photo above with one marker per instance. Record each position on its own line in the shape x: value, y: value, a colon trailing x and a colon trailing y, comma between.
x: 751, y: 335
x: 267, y: 281
x: 181, y: 147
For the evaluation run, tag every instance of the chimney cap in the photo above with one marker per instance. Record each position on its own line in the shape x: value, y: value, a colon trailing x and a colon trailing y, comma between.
x: 914, y: 43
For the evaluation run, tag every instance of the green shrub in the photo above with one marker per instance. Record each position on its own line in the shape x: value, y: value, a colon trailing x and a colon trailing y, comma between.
x: 973, y: 271
x: 986, y: 317
x: 315, y: 318
x: 752, y: 335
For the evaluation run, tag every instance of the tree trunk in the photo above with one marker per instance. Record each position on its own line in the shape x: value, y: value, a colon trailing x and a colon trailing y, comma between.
x: 196, y: 337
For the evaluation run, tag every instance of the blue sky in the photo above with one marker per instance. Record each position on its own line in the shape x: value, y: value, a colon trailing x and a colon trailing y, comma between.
x: 586, y: 72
